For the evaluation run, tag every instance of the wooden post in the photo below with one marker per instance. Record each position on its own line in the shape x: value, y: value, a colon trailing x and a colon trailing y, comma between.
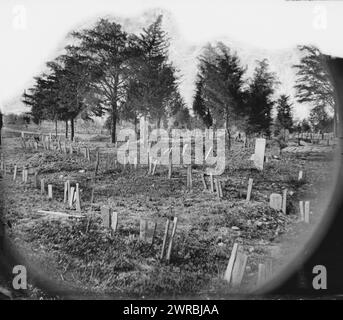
x: 171, y: 239
x: 92, y: 196
x: 15, y: 172
x: 229, y: 268
x: 26, y: 175
x: 165, y: 237
x: 189, y: 177
x: 114, y: 221
x: 42, y: 186
x: 238, y: 269
x: 71, y: 197
x: 217, y: 188
x: 142, y: 229
x: 77, y: 198
x: 50, y: 191
x: 249, y: 189
x: 301, y: 207
x: 300, y: 176
x: 97, y: 164
x: 204, y: 181
x: 220, y: 189
x: 23, y: 174
x: 35, y: 180
x: 170, y: 168
x: 65, y: 194
x: 154, y: 168
x: 284, y: 201
x: 307, y: 212
x: 211, y: 183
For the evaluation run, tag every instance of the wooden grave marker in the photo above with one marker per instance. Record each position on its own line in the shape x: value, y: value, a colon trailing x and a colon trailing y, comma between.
x: 15, y: 172
x: 42, y: 186
x: 307, y: 212
x: 77, y: 198
x: 165, y: 238
x: 229, y: 268
x: 171, y: 239
x: 204, y: 181
x: 211, y: 183
x: 301, y: 209
x: 50, y: 191
x: 284, y: 201
x: 106, y: 216
x: 114, y: 221
x: 238, y: 268
x: 249, y: 189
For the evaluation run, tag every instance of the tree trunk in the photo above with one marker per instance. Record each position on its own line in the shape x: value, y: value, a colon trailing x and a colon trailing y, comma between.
x: 72, y: 132
x: 114, y: 123
x: 66, y: 129
x: 56, y: 128
x: 228, y: 133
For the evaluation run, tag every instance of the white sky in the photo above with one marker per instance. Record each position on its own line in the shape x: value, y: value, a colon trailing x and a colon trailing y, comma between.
x: 31, y: 30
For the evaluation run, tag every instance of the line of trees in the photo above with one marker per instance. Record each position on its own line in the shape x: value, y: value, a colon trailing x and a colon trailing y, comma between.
x: 108, y: 71
x: 223, y: 96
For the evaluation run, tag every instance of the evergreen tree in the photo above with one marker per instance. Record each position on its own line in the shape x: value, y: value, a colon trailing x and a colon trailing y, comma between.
x: 314, y: 83
x: 199, y: 106
x: 260, y: 102
x: 221, y: 77
x: 284, y: 119
x: 153, y: 80
x: 107, y: 48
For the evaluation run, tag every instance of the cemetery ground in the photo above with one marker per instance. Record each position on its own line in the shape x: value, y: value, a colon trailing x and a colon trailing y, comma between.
x: 83, y: 255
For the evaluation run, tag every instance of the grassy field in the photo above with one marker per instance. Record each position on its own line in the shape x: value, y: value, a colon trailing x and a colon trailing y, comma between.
x: 83, y: 255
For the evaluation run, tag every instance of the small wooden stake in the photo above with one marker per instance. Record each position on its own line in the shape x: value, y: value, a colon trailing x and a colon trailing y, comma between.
x: 307, y: 212
x: 171, y: 239
x: 211, y: 183
x: 65, y: 194
x: 284, y: 201
x: 92, y: 196
x: 204, y: 181
x: 249, y: 189
x: 238, y: 269
x: 300, y: 177
x: 71, y: 197
x: 189, y: 177
x: 97, y: 164
x: 114, y: 221
x: 154, y: 168
x: 77, y: 198
x: 220, y: 189
x: 170, y: 168
x: 301, y: 206
x: 49, y: 191
x: 35, y: 180
x: 229, y: 268
x: 15, y: 172
x: 217, y: 188
x: 42, y: 186
x: 142, y: 229
x: 165, y: 237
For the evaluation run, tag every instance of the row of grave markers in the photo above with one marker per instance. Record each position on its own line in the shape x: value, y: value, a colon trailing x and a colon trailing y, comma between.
x: 238, y: 259
x: 236, y: 266
x: 71, y: 194
x: 147, y: 230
